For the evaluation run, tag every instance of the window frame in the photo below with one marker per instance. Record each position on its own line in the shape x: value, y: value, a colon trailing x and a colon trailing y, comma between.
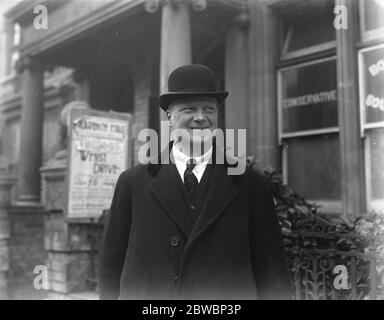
x: 281, y: 134
x: 366, y: 36
x: 13, y: 134
x: 298, y: 53
x: 362, y: 92
x: 13, y: 48
x: 372, y: 204
x: 287, y: 55
x: 365, y: 129
x: 327, y: 206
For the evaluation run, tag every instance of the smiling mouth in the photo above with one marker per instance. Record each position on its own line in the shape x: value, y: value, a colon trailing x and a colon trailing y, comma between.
x: 199, y: 128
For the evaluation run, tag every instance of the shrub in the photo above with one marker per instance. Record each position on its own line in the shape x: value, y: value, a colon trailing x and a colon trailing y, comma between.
x: 304, y: 227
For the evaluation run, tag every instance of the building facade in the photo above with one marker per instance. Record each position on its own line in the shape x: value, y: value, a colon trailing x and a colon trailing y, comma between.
x: 305, y: 78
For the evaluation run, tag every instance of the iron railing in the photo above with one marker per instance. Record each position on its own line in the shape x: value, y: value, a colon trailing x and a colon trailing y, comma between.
x: 314, y: 249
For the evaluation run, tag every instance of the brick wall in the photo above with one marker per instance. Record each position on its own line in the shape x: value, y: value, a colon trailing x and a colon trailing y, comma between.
x: 26, y: 250
x: 69, y: 258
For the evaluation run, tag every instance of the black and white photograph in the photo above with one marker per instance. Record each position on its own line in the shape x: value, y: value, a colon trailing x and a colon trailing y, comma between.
x: 191, y: 155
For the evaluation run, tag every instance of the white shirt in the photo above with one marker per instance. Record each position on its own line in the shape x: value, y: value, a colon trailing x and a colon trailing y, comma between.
x: 181, y: 160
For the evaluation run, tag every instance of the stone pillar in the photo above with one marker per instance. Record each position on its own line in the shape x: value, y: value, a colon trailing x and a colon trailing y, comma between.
x: 236, y: 74
x: 263, y: 135
x: 6, y: 184
x: 32, y: 117
x: 351, y: 146
x: 176, y: 45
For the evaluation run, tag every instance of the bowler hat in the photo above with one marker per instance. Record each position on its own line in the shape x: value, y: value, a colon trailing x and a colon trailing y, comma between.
x: 192, y: 80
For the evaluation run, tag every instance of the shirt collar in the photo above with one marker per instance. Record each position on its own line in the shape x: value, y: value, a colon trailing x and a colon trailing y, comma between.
x: 200, y: 161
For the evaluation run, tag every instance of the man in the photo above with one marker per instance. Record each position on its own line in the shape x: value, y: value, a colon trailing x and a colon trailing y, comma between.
x: 187, y: 229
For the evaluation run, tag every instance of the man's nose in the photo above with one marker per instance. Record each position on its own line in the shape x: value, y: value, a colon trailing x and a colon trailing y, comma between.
x: 199, y: 116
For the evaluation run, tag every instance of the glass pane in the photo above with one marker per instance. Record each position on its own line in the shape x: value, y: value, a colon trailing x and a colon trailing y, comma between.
x: 309, y: 97
x: 14, y: 57
x: 16, y: 34
x: 376, y: 141
x: 13, y: 141
x: 308, y: 23
x: 306, y: 33
x: 314, y: 166
x: 373, y: 84
x: 373, y: 12
x: 52, y: 139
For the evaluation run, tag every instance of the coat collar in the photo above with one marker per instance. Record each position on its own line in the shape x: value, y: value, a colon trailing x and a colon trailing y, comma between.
x: 221, y: 192
x: 166, y: 189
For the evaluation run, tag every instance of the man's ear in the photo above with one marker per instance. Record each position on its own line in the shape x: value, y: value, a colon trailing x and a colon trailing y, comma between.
x: 169, y: 118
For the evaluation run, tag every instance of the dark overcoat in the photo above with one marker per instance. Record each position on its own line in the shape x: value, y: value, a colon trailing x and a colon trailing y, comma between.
x: 151, y: 250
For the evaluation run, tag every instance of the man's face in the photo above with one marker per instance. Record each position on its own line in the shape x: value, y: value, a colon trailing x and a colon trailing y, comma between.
x: 194, y: 115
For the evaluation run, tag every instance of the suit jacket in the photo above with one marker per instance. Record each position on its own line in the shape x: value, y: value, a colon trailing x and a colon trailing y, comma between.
x: 152, y: 250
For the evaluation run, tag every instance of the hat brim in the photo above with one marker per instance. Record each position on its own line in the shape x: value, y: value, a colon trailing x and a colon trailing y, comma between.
x: 166, y: 99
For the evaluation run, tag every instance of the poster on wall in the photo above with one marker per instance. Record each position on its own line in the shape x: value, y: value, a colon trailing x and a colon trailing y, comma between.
x: 99, y: 145
x: 371, y: 63
x: 308, y: 97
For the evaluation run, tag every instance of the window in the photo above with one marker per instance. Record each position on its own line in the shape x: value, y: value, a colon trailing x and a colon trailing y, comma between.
x: 16, y: 34
x: 371, y: 19
x: 371, y: 78
x: 14, y: 57
x: 308, y: 124
x: 312, y: 167
x: 375, y: 169
x: 13, y: 141
x: 308, y: 131
x: 51, y: 133
x: 3, y: 159
x: 371, y: 68
x: 14, y: 39
x: 307, y: 28
x: 308, y: 98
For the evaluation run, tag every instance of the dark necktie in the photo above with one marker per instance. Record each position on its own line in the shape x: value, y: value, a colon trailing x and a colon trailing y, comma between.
x: 190, y: 180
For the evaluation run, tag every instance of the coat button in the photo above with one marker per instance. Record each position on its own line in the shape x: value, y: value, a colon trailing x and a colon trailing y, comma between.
x: 174, y: 241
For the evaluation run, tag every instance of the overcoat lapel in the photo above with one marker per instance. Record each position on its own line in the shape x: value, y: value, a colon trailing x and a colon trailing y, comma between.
x: 166, y: 190
x: 221, y: 192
